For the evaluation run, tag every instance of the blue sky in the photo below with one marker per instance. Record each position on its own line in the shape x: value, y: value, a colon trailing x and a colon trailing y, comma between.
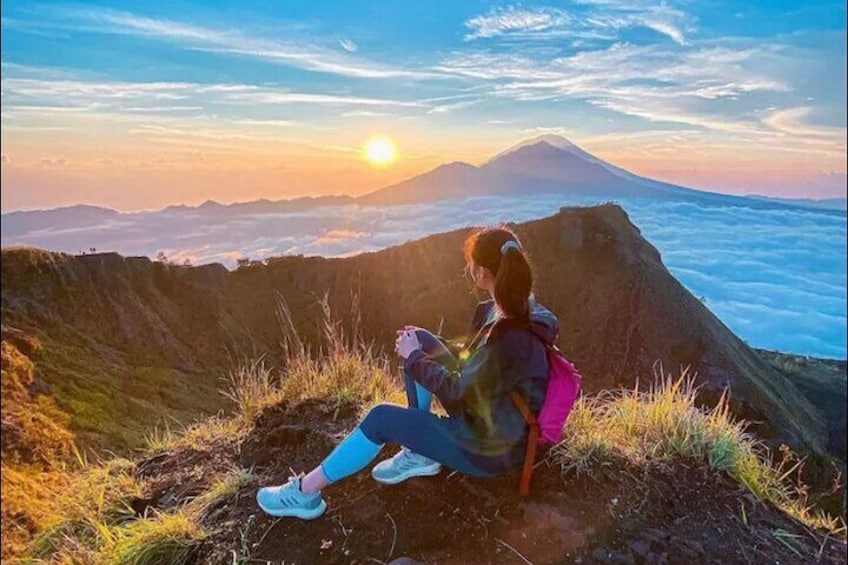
x: 137, y: 105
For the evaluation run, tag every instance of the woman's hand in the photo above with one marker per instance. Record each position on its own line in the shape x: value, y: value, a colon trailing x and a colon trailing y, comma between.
x: 407, y: 342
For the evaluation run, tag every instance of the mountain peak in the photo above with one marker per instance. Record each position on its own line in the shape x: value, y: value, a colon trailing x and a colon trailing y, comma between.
x: 556, y: 141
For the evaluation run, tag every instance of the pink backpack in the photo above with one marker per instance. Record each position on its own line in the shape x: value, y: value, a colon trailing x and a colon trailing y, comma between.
x: 562, y: 391
x: 546, y: 429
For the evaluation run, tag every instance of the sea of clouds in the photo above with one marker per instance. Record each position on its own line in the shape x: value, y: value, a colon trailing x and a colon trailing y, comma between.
x: 776, y: 277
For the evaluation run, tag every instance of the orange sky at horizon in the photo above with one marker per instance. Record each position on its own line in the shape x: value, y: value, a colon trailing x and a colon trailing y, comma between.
x: 107, y: 169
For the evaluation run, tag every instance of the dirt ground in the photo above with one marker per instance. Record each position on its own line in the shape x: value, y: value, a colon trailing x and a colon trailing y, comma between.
x: 678, y: 513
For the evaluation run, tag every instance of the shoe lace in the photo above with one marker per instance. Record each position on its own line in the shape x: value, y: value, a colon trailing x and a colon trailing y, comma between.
x: 285, y: 497
x: 293, y: 479
x: 407, y: 457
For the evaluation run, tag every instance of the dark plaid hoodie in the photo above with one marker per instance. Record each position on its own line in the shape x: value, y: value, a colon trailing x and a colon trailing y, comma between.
x: 505, y: 356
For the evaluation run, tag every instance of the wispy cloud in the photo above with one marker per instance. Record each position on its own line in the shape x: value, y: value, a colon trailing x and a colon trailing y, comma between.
x: 650, y: 82
x: 219, y: 118
x: 300, y: 54
x: 453, y: 106
x: 158, y: 109
x: 348, y: 45
x: 513, y: 20
x: 792, y: 121
x: 268, y: 96
x: 364, y: 114
x: 269, y: 123
x: 586, y: 20
x: 29, y: 96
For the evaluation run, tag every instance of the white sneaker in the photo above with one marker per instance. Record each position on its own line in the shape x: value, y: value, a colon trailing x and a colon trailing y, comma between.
x: 402, y: 466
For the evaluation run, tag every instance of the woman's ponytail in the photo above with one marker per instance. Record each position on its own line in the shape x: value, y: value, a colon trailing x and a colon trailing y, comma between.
x: 498, y: 251
x: 513, y: 282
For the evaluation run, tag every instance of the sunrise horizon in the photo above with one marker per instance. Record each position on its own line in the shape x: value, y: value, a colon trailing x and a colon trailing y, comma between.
x: 138, y: 109
x: 396, y: 173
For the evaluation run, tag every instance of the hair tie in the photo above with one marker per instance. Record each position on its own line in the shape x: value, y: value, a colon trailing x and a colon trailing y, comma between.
x: 511, y: 244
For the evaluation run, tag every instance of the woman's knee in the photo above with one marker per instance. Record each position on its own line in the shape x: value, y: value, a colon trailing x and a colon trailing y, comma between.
x: 430, y: 343
x: 377, y: 420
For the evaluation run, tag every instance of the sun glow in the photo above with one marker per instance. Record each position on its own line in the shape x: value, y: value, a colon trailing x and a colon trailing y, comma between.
x: 380, y: 150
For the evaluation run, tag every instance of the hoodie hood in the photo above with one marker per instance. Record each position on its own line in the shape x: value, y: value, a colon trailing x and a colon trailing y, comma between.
x: 544, y: 322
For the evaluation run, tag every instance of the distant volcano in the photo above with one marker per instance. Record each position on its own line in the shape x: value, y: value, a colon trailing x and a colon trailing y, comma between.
x: 545, y: 164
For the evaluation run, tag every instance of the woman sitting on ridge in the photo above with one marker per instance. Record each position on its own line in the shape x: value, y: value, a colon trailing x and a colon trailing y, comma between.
x: 484, y: 433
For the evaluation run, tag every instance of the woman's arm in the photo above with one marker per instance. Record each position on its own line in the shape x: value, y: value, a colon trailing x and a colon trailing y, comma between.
x: 450, y: 386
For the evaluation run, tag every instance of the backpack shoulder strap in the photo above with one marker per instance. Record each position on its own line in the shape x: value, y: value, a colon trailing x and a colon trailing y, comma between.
x: 523, y: 407
x: 532, y: 443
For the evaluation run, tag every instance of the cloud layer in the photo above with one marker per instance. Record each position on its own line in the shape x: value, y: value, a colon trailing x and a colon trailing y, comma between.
x: 776, y: 277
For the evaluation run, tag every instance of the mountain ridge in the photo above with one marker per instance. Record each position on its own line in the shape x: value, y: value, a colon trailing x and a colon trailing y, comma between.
x: 621, y: 314
x: 103, y: 352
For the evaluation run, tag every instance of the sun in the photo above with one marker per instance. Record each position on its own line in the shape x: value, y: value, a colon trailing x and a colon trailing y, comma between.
x: 380, y: 150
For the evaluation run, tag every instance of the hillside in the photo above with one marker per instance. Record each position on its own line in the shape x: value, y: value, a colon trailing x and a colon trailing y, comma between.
x: 115, y: 328
x: 123, y: 342
x: 102, y: 351
x: 640, y: 477
x: 825, y: 384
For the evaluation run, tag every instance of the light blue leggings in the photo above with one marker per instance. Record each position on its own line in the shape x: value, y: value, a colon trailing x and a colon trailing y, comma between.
x: 413, y: 427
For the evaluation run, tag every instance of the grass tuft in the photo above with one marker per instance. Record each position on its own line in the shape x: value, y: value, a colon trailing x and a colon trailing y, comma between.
x: 223, y: 489
x: 83, y: 513
x: 664, y: 423
x: 158, y: 539
x: 252, y: 388
x: 345, y: 371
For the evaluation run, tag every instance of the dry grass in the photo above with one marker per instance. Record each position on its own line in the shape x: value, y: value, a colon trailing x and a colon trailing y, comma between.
x: 223, y: 489
x: 345, y: 370
x: 153, y: 540
x: 664, y: 423
x: 91, y: 521
x: 98, y: 526
x: 82, y: 514
x: 199, y: 436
